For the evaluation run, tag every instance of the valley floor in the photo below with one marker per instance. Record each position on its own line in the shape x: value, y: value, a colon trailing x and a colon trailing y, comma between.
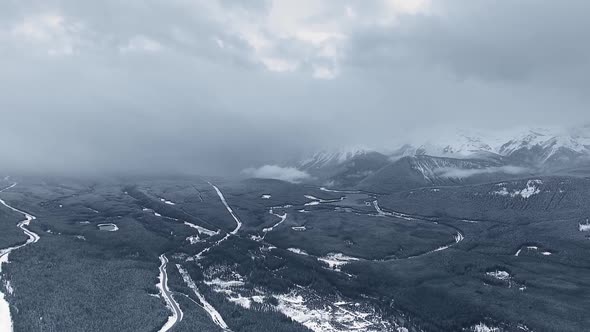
x: 264, y: 255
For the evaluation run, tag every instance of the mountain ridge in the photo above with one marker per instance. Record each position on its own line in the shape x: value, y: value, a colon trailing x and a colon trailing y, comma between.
x: 467, y: 159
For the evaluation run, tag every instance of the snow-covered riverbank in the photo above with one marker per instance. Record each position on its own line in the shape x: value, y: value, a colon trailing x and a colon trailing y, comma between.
x: 5, y: 317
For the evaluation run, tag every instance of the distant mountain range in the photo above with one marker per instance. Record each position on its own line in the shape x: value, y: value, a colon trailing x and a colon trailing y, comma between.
x: 462, y: 158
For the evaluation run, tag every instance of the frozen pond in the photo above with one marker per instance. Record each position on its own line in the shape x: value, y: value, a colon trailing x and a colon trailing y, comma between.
x: 108, y: 227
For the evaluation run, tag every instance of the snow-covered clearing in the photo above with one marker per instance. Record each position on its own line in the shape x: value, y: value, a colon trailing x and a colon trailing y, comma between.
x: 499, y: 274
x: 530, y: 190
x: 230, y: 289
x: 584, y: 227
x: 336, y: 260
x: 318, y: 313
x: 322, y: 315
x: 481, y: 327
x: 201, y: 229
x: 194, y: 239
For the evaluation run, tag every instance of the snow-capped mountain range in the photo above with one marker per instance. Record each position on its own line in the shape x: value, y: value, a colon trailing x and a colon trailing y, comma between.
x: 531, y: 146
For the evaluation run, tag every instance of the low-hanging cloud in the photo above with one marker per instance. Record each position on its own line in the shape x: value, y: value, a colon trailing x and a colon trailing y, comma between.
x: 215, y: 86
x: 289, y: 174
x: 450, y: 172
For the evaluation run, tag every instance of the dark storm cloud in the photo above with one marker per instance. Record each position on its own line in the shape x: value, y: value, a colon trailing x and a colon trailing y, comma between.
x: 219, y: 86
x: 490, y: 40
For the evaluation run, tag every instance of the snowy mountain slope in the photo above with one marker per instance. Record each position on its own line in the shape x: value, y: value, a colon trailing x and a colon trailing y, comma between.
x: 465, y: 157
x: 349, y: 172
x: 322, y: 159
x: 423, y: 171
x: 529, y: 146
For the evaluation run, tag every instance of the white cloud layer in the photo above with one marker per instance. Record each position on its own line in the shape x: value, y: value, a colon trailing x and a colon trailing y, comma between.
x: 289, y: 174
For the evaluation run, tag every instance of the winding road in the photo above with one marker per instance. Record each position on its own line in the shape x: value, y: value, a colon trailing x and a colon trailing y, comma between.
x: 5, y: 318
x: 234, y: 232
x: 177, y: 313
x: 457, y: 237
x: 229, y: 209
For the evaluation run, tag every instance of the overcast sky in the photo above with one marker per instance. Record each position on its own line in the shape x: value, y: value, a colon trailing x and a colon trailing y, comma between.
x: 217, y: 86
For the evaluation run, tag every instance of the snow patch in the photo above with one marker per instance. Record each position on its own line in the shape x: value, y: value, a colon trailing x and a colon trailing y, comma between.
x: 499, y: 274
x: 544, y: 253
x: 298, y: 251
x: 213, y: 313
x: 8, y: 287
x: 336, y: 260
x: 338, y: 316
x: 201, y: 229
x: 584, y: 227
x: 194, y: 239
x: 530, y: 190
x: 481, y: 327
x: 318, y: 313
x: 165, y: 201
x: 5, y: 317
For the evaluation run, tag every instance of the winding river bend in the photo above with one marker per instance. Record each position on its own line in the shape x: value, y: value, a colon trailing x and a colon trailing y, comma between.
x: 5, y: 318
